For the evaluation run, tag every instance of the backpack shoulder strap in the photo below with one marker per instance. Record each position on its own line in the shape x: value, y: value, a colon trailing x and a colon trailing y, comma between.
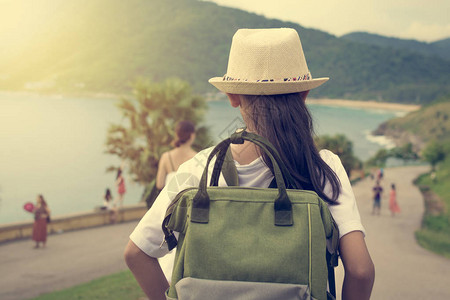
x: 229, y: 170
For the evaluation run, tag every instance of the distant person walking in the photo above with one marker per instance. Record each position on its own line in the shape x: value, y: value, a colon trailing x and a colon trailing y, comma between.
x: 168, y: 165
x: 41, y: 218
x: 377, y: 191
x: 393, y: 205
x: 120, y: 183
x: 380, y: 174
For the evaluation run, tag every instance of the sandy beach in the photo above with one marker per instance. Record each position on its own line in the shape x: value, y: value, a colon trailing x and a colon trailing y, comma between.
x: 365, y: 104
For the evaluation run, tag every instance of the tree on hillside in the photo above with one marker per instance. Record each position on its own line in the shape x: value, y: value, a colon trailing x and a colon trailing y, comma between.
x: 147, y: 128
x: 341, y: 146
x: 379, y: 159
x: 434, y: 153
x: 405, y: 152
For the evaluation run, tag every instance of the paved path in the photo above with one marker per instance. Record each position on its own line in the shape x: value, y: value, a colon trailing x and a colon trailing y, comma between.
x: 69, y: 259
x: 403, y: 269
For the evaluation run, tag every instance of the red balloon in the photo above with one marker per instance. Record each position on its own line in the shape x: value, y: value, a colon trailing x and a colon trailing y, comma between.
x: 28, y: 206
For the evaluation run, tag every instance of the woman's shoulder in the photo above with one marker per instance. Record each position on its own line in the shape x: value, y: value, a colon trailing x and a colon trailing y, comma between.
x: 198, y: 160
x: 165, y: 156
x: 333, y: 161
x: 329, y: 157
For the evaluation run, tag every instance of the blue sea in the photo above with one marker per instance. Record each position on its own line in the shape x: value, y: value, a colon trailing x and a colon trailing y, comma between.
x: 55, y: 146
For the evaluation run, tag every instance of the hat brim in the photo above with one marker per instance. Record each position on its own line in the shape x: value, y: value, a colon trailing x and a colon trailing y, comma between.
x: 265, y: 88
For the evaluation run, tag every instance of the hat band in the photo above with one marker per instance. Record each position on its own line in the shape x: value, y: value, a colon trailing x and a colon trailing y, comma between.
x: 299, y: 78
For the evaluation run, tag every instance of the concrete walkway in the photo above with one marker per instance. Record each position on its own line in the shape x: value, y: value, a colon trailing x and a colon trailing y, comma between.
x: 403, y: 269
x: 69, y: 259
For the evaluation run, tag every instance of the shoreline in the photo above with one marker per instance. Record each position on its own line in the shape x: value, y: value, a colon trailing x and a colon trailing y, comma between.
x: 364, y: 104
x: 369, y: 104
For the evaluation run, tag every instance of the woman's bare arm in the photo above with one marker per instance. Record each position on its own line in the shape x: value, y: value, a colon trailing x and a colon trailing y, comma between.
x: 147, y: 272
x: 358, y: 266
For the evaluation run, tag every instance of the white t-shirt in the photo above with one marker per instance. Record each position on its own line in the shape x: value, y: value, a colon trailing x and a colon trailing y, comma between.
x: 169, y: 177
x: 149, y: 237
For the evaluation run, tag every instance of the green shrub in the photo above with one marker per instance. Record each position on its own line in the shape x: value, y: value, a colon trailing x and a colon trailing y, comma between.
x: 437, y: 223
x: 437, y: 242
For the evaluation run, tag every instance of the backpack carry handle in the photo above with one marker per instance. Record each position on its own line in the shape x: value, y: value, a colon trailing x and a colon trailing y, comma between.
x: 238, y: 138
x: 282, y: 204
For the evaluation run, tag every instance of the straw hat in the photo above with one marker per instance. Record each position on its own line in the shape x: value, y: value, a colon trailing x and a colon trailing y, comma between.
x: 266, y: 62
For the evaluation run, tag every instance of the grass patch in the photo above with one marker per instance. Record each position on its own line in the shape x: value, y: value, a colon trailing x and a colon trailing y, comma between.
x: 435, y: 232
x: 438, y: 242
x: 118, y: 286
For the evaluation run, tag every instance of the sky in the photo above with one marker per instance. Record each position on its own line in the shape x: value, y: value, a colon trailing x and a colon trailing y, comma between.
x: 421, y: 20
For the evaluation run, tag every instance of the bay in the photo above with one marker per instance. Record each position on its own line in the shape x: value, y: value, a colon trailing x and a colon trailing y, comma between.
x: 55, y: 146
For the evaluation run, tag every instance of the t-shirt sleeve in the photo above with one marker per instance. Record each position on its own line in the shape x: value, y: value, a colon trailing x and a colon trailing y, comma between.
x: 148, y: 235
x: 346, y: 213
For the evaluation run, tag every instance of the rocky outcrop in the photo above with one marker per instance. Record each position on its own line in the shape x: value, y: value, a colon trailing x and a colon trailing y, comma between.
x: 400, y: 136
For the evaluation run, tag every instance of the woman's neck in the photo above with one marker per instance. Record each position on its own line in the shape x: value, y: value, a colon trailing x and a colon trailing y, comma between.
x: 244, y: 153
x: 184, y: 146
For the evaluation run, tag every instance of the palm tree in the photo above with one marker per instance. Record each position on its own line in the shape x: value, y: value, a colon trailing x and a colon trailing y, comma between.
x: 147, y: 128
x: 342, y: 147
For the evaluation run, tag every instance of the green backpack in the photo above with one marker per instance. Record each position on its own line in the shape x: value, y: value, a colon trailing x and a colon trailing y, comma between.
x: 247, y: 242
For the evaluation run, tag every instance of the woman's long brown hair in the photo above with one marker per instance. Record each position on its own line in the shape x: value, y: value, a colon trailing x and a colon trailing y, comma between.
x: 287, y: 123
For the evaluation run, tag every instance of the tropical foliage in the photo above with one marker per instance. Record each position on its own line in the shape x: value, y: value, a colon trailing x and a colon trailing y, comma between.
x: 342, y: 147
x: 148, y: 124
x: 405, y: 153
x: 436, y: 152
x: 379, y: 159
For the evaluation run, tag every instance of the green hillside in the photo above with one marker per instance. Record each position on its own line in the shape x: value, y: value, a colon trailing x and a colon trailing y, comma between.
x: 103, y: 45
x: 438, y: 48
x: 430, y: 123
x: 428, y: 129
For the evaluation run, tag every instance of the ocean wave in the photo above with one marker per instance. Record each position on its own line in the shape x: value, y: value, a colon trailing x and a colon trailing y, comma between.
x: 381, y: 140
